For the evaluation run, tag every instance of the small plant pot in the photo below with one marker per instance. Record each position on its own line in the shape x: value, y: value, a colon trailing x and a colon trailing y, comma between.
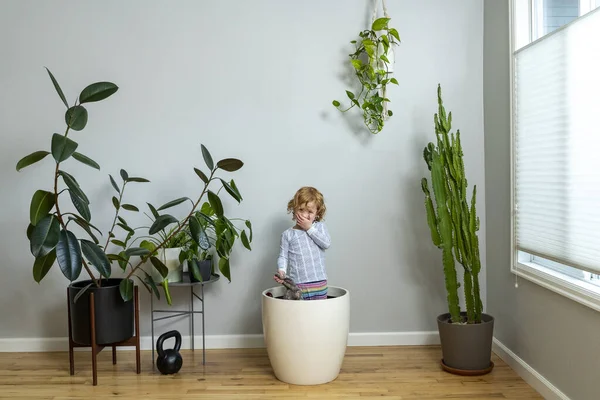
x: 205, y: 269
x: 114, y: 317
x: 466, y: 348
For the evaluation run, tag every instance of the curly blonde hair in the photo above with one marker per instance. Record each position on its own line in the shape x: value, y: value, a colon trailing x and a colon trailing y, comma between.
x: 305, y: 195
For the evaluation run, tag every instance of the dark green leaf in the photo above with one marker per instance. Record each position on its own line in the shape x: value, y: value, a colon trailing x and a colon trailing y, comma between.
x: 115, y: 202
x: 198, y: 233
x: 124, y: 174
x: 42, y: 265
x: 153, y: 210
x: 30, y: 229
x: 81, y: 206
x: 96, y: 257
x: 41, y: 204
x: 161, y: 222
x: 118, y: 243
x: 207, y: 158
x: 137, y: 179
x: 195, y: 269
x: 152, y: 284
x: 126, y: 227
x: 201, y: 175
x: 73, y: 186
x: 380, y: 23
x: 86, y: 226
x: 86, y: 160
x: 245, y: 241
x: 97, y: 91
x: 231, y: 191
x: 31, y: 159
x: 76, y: 117
x: 215, y: 203
x: 144, y: 283
x: 57, y: 87
x: 335, y: 103
x: 230, y: 164
x: 81, y: 292
x: 207, y: 218
x: 350, y: 94
x: 224, y: 268
x: 68, y: 254
x: 173, y: 203
x: 394, y: 81
x: 353, y: 41
x: 126, y: 289
x: 160, y: 267
x: 390, y: 113
x: 122, y: 220
x: 235, y: 189
x: 45, y: 236
x: 394, y: 33
x: 114, y: 184
x: 62, y: 147
x: 136, y: 251
x: 249, y: 225
x: 130, y: 207
x: 124, y: 260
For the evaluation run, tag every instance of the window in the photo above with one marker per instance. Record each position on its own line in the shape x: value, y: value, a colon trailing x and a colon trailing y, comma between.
x: 555, y: 145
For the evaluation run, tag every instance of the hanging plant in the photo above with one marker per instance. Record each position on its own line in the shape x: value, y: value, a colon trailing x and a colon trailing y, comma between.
x: 373, y: 62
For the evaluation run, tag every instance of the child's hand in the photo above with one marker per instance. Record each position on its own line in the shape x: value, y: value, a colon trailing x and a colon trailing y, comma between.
x: 279, y: 276
x: 303, y: 222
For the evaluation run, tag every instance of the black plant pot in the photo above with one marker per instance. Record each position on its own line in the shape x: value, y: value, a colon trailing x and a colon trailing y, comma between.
x: 466, y: 348
x: 114, y: 317
x: 205, y: 268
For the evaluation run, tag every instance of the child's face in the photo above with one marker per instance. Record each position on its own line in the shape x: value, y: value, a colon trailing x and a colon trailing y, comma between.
x: 308, y: 211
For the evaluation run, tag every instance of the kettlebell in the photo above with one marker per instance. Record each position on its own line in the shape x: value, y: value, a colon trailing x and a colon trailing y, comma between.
x: 169, y: 361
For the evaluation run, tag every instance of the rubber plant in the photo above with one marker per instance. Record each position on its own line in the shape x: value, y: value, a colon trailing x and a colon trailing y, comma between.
x: 52, y: 238
x: 453, y: 221
x: 371, y: 67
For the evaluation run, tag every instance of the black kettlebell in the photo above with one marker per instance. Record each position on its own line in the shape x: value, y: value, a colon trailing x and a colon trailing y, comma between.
x: 169, y: 361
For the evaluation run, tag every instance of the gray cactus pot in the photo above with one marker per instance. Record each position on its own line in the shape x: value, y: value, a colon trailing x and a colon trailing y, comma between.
x: 466, y: 347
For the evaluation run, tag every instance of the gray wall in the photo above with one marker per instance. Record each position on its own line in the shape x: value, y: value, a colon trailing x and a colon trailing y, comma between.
x: 556, y: 336
x: 252, y: 80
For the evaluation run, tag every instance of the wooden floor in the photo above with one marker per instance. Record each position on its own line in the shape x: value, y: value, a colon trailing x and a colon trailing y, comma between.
x: 367, y: 372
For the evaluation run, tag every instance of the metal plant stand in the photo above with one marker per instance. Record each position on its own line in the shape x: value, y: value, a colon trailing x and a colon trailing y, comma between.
x: 190, y: 313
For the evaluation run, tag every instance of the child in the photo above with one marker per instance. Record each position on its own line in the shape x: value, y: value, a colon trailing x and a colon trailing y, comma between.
x: 302, y: 251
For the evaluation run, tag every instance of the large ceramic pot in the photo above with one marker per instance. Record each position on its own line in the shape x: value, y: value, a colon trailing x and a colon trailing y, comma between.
x: 306, y: 339
x: 114, y: 317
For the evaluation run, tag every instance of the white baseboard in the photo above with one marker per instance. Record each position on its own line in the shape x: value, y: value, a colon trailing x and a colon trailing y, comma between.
x: 529, y: 375
x: 227, y: 341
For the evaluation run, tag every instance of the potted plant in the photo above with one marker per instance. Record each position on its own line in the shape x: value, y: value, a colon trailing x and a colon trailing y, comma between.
x: 53, y: 238
x: 466, y: 337
x: 169, y: 254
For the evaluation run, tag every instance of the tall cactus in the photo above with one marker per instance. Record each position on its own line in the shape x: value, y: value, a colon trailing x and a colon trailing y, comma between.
x: 455, y: 225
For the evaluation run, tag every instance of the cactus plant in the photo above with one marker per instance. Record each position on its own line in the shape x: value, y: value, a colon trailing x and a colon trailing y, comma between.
x: 453, y: 223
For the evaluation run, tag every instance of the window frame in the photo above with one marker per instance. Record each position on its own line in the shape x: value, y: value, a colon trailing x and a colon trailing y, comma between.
x: 522, y: 264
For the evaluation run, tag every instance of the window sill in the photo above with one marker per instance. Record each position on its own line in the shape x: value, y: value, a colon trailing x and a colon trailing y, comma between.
x: 574, y: 289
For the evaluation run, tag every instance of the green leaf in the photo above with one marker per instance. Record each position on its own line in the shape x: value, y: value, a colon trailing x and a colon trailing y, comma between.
x: 230, y: 164
x: 394, y: 33
x: 73, y: 186
x: 231, y: 191
x: 224, y: 268
x: 68, y: 254
x: 31, y: 159
x: 114, y: 184
x: 144, y: 283
x: 207, y: 210
x: 207, y: 157
x: 380, y: 23
x: 82, y: 291
x: 115, y: 202
x: 126, y: 289
x: 249, y: 225
x: 124, y: 174
x: 57, y: 87
x: 96, y: 257
x: 136, y: 251
x: 86, y: 160
x: 124, y: 260
x: 152, y: 284
x: 45, y: 236
x: 145, y: 244
x: 161, y: 222
x: 153, y: 210
x: 97, y: 91
x: 41, y: 204
x: 215, y: 203
x: 118, y: 243
x: 198, y: 234
x: 350, y: 94
x: 86, y: 226
x: 390, y: 113
x: 76, y: 117
x: 137, y: 179
x: 384, y: 58
x: 62, y: 147
x: 335, y: 103
x: 245, y: 241
x: 235, y: 189
x: 30, y: 229
x: 42, y: 265
x: 130, y: 207
x: 81, y: 206
x: 356, y: 63
x: 201, y: 175
x: 126, y: 227
x: 386, y: 42
x: 195, y: 269
x: 172, y: 203
x: 165, y: 285
x: 394, y: 81
x: 160, y: 267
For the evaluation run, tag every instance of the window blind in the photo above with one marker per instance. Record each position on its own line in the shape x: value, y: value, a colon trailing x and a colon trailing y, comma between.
x: 557, y: 145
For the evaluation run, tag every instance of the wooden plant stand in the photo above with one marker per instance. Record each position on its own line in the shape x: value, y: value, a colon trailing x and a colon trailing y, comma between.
x: 96, y: 348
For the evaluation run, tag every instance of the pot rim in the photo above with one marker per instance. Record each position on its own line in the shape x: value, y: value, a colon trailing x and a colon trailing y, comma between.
x: 83, y: 283
x: 345, y: 294
x: 442, y: 319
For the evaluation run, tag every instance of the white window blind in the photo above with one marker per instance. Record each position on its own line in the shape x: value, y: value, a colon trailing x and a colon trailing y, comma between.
x: 557, y: 145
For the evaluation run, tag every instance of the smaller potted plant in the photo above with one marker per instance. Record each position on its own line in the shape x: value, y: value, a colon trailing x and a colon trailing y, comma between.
x: 169, y: 254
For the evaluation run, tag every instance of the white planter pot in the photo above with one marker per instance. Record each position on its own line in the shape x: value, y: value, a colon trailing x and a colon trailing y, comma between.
x: 169, y: 257
x: 306, y: 339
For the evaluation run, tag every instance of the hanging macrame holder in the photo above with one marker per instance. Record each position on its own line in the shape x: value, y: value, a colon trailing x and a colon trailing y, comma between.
x: 389, y: 67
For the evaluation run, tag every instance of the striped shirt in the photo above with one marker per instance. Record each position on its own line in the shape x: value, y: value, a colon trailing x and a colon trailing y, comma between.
x: 302, y: 253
